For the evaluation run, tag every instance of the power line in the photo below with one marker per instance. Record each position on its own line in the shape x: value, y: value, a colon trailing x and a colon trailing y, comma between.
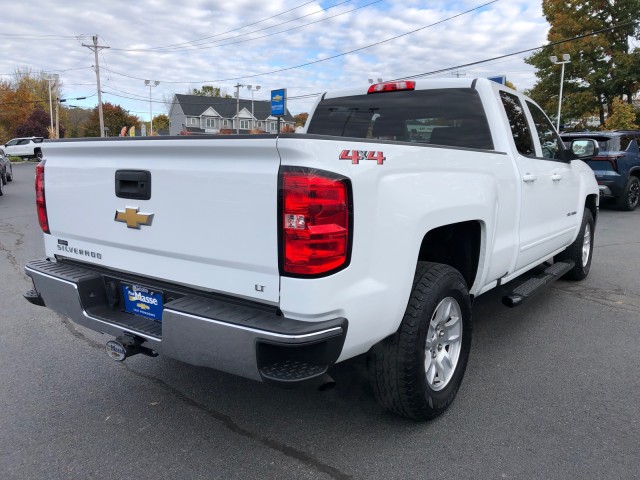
x: 559, y: 42
x: 322, y: 59
x: 232, y: 30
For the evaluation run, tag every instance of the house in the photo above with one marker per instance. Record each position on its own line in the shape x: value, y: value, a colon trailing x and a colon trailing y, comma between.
x: 194, y: 115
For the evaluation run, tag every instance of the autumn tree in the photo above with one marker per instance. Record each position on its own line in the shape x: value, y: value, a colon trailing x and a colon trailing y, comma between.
x: 622, y: 117
x: 300, y: 119
x: 160, y: 122
x: 602, y: 66
x: 115, y: 117
x: 36, y: 125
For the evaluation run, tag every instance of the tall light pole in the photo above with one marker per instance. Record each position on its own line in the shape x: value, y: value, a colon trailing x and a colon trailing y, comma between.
x: 150, y: 84
x: 52, y: 78
x: 566, y: 59
x: 253, y: 89
x: 237, y: 87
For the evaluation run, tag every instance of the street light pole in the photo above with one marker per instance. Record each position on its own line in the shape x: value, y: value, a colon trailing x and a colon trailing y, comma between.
x: 253, y: 89
x: 150, y: 84
x: 566, y: 57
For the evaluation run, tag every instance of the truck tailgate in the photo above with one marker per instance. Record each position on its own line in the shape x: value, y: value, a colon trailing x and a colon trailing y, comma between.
x: 213, y: 201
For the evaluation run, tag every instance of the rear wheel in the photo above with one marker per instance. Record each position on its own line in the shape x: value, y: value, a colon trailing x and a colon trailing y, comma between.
x: 10, y: 176
x: 4, y: 179
x: 1, y: 189
x: 630, y: 198
x: 38, y: 155
x: 416, y: 372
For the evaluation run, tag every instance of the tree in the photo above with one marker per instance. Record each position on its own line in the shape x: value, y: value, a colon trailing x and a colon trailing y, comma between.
x: 209, y: 91
x: 602, y: 66
x: 300, y: 119
x: 622, y: 117
x: 36, y: 125
x: 160, y: 122
x: 115, y: 117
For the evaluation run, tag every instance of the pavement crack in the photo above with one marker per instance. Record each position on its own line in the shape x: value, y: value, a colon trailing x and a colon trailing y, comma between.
x: 617, y: 299
x: 69, y: 325
x: 8, y: 250
x: 231, y: 425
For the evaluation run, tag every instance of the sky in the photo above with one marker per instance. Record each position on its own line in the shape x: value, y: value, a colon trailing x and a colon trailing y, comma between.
x: 307, y: 47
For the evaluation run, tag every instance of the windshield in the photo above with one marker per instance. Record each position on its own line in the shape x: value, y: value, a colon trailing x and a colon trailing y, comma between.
x: 450, y: 117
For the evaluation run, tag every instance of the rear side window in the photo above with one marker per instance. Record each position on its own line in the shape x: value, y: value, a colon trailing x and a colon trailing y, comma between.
x: 449, y: 117
x: 518, y: 123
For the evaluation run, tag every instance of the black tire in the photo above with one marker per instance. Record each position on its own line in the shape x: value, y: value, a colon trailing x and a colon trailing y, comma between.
x: 10, y: 176
x: 630, y: 198
x: 575, y: 251
x: 4, y: 179
x: 1, y: 189
x: 38, y: 155
x: 397, y: 366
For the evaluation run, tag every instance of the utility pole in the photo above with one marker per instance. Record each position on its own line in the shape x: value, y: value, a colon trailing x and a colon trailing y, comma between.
x: 95, y: 48
x: 238, y: 107
x: 53, y: 78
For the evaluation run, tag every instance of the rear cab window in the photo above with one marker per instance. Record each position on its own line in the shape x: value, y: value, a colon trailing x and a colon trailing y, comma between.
x: 452, y: 117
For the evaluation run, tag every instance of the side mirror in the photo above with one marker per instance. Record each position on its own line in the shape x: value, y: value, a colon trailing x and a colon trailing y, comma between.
x: 584, y: 148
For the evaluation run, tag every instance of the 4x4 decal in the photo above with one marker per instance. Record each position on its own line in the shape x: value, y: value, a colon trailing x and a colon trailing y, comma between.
x: 356, y: 155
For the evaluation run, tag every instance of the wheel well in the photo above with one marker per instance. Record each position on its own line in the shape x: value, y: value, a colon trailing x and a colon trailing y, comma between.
x: 590, y: 203
x: 456, y: 245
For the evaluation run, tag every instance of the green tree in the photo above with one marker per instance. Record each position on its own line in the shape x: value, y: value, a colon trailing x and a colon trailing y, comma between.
x: 208, y: 91
x: 115, y: 117
x: 602, y: 66
x: 623, y: 116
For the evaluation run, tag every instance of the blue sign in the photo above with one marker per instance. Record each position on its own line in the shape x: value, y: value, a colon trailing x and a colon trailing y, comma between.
x: 142, y: 302
x: 279, y: 102
x: 501, y: 79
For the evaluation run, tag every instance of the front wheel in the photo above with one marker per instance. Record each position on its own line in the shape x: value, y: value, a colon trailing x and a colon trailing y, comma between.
x: 1, y: 189
x: 39, y: 155
x: 416, y: 372
x: 581, y: 250
x: 630, y: 198
x: 3, y: 179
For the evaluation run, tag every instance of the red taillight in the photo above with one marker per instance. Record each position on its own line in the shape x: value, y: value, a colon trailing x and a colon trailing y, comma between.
x: 392, y: 86
x: 613, y: 160
x: 315, y: 222
x: 41, y: 203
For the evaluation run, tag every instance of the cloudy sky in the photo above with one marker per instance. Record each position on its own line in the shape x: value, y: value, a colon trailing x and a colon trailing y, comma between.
x: 304, y: 46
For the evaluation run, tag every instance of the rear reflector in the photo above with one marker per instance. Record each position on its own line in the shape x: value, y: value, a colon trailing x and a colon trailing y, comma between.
x: 392, y: 86
x: 316, y: 222
x: 41, y: 203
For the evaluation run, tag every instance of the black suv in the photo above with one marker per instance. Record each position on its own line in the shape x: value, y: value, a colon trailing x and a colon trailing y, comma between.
x: 617, y: 165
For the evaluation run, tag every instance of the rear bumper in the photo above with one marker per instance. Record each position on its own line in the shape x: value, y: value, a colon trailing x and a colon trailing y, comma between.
x: 242, y: 338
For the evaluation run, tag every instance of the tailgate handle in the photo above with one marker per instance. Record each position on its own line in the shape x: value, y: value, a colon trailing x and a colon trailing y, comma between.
x: 134, y: 184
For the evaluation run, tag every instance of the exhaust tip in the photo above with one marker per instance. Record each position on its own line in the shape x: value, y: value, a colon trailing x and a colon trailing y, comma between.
x: 326, y: 383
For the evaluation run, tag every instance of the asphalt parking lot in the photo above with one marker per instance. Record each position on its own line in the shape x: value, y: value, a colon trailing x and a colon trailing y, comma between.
x: 552, y: 391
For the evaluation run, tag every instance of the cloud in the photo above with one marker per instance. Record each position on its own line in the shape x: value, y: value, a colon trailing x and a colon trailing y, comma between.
x: 502, y: 27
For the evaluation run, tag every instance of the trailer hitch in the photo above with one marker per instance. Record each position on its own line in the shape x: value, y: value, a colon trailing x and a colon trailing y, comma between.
x: 127, y: 346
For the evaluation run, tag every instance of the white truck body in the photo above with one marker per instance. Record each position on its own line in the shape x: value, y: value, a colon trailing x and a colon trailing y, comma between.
x: 216, y: 225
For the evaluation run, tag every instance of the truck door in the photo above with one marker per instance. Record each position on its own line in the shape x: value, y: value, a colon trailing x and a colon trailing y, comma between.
x: 549, y: 185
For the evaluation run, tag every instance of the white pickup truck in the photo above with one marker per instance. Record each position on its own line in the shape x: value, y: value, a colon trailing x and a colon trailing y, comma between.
x: 274, y: 257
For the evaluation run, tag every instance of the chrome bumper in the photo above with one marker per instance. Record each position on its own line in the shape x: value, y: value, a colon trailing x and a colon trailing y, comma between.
x: 239, y: 338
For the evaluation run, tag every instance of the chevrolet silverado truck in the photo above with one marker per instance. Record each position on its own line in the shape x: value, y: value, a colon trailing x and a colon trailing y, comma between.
x: 273, y: 257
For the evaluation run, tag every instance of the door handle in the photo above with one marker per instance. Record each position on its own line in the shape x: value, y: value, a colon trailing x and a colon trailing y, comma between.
x: 529, y: 178
x: 556, y: 177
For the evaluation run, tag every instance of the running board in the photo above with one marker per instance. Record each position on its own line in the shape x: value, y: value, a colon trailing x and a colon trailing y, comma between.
x: 535, y: 285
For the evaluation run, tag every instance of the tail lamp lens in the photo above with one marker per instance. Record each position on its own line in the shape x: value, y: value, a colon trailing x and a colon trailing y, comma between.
x: 41, y: 203
x: 316, y: 227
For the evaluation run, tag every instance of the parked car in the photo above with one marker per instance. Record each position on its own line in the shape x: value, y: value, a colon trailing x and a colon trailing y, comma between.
x: 616, y: 166
x: 6, y: 170
x: 24, y: 147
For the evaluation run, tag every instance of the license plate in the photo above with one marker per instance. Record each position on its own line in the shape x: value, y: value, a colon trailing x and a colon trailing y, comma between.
x: 142, y: 301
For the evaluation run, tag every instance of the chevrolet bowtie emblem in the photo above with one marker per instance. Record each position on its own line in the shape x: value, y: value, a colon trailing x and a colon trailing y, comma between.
x: 132, y: 218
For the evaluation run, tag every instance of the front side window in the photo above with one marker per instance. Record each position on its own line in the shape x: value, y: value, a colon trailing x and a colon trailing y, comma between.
x: 518, y: 123
x: 244, y: 124
x: 210, y: 122
x: 449, y: 117
x: 552, y: 147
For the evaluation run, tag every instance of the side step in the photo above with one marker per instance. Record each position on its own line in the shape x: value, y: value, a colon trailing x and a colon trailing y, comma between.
x: 533, y: 286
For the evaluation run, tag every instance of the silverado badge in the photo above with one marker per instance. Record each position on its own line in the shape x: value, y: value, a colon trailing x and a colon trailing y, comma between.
x: 132, y: 218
